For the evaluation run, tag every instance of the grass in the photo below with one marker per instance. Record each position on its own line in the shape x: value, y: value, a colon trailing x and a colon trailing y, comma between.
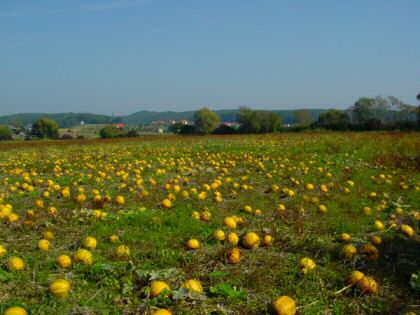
x: 247, y: 166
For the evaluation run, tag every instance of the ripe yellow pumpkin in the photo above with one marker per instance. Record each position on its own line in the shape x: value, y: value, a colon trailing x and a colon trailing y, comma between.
x: 3, y: 251
x: 251, y: 240
x: 284, y: 305
x: 193, y: 285
x: 83, y: 256
x: 371, y: 252
x: 376, y: 240
x: 268, y: 240
x: 233, y: 239
x: 193, y: 244
x: 114, y: 238
x: 367, y: 285
x: 348, y: 251
x: 234, y: 256
x: 15, y: 311
x: 354, y: 276
x: 220, y: 235
x: 162, y: 312
x: 44, y: 245
x: 122, y: 252
x: 15, y: 264
x: 230, y: 222
x: 60, y: 288
x: 90, y: 242
x: 407, y: 230
x: 166, y: 203
x: 119, y: 200
x: 48, y: 235
x: 379, y: 225
x: 157, y: 287
x: 64, y: 261
x: 322, y: 209
x: 345, y: 237
x: 306, y: 264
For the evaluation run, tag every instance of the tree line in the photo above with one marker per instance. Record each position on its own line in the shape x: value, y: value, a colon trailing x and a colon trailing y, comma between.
x: 379, y: 113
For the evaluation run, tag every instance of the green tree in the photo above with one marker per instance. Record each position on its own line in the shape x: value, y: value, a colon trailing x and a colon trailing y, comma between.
x: 258, y: 121
x: 206, y: 121
x: 248, y: 121
x: 334, y: 119
x: 111, y: 131
x: 362, y: 110
x: 45, y: 128
x: 5, y: 133
x: 303, y: 117
x: 269, y: 121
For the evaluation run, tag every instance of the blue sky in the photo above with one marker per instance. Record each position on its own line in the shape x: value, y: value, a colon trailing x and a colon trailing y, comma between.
x: 121, y: 56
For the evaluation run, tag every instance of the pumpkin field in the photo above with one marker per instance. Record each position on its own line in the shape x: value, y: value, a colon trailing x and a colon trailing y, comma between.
x: 293, y: 223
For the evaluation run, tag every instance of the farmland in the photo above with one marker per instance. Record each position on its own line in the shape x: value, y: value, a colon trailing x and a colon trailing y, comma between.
x: 247, y: 219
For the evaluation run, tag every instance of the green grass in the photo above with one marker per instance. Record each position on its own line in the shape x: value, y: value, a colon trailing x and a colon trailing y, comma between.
x: 157, y: 236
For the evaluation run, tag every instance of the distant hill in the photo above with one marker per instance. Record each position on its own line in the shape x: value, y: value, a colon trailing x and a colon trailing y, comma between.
x: 66, y: 120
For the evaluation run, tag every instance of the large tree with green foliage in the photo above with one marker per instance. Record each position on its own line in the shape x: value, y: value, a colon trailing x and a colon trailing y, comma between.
x: 5, y: 133
x: 45, y: 128
x: 206, y: 121
x: 303, y: 117
x: 334, y: 119
x: 257, y: 121
x: 111, y: 131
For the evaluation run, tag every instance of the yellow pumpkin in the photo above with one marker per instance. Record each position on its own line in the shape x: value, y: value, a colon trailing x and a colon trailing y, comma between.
x: 90, y: 242
x: 230, y: 222
x: 157, y: 287
x: 60, y: 288
x: 15, y: 311
x: 122, y: 252
x: 83, y: 256
x: 220, y: 235
x: 306, y: 264
x: 162, y: 312
x: 15, y: 264
x: 379, y: 225
x: 114, y: 238
x: 367, y: 285
x: 376, y: 240
x: 251, y: 240
x: 3, y: 251
x: 354, y: 277
x: 166, y: 203
x: 193, y: 244
x: 268, y: 240
x: 345, y: 237
x: 284, y: 305
x: 349, y: 251
x: 193, y: 285
x: 371, y: 252
x: 44, y: 245
x: 234, y: 256
x: 48, y: 235
x: 119, y: 200
x: 64, y: 261
x: 233, y: 239
x: 407, y: 230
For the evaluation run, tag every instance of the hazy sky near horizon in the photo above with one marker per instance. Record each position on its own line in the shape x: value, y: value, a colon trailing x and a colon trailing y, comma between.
x: 121, y: 56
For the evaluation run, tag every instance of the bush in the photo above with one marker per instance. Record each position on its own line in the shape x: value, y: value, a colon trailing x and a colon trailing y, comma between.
x: 111, y: 132
x: 224, y: 130
x: 5, y: 133
x: 132, y: 133
x: 67, y: 136
x: 45, y: 128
